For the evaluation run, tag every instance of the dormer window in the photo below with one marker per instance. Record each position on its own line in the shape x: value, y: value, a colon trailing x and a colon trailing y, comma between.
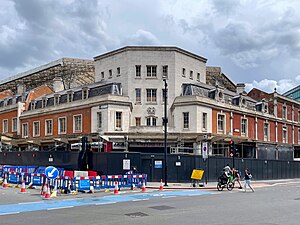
x: 44, y: 101
x: 84, y: 93
x: 70, y: 96
x: 56, y: 99
x: 220, y: 95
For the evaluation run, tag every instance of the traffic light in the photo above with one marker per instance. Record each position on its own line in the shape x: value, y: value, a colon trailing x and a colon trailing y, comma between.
x: 232, y: 148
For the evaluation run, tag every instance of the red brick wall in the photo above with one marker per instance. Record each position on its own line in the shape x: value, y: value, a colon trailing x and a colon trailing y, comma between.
x: 279, y: 109
x: 251, y: 127
x: 86, y: 122
x: 260, y: 129
x: 237, y: 124
x: 8, y: 116
x: 289, y: 112
x: 279, y: 132
x: 272, y: 127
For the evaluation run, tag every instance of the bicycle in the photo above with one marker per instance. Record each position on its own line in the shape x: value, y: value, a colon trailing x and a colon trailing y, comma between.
x: 222, y: 183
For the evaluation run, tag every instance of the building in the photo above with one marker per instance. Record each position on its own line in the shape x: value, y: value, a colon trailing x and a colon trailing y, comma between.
x: 294, y: 93
x: 124, y: 108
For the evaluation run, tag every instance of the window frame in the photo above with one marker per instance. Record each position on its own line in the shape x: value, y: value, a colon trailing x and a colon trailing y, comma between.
x: 46, y: 127
x: 138, y: 121
x: 14, y: 129
x: 165, y: 70
x: 5, y: 128
x: 284, y: 134
x: 244, y: 127
x: 138, y: 99
x: 204, y: 121
x: 138, y: 71
x: 151, y: 121
x: 99, y: 120
x: 284, y: 112
x: 223, y: 117
x: 151, y: 91
x: 151, y: 71
x: 23, y: 130
x: 186, y: 120
x: 34, y: 134
x: 74, y: 123
x: 118, y: 120
x: 266, y: 129
x: 59, y: 125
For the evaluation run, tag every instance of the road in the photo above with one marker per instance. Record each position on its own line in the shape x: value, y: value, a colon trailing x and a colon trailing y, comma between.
x: 270, y: 205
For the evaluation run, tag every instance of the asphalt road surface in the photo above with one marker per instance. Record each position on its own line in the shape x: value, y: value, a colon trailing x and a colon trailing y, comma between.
x: 270, y: 205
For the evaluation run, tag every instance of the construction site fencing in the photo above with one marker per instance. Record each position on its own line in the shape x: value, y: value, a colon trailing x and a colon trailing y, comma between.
x: 68, y: 183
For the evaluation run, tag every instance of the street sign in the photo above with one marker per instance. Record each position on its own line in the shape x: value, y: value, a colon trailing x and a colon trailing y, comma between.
x: 158, y: 164
x: 51, y: 172
x: 204, y: 150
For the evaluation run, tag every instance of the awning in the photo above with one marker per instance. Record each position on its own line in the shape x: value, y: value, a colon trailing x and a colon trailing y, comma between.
x: 6, y: 140
x: 34, y: 142
x: 62, y: 140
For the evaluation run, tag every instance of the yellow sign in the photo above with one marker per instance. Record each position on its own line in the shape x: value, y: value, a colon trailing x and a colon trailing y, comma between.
x: 197, y: 174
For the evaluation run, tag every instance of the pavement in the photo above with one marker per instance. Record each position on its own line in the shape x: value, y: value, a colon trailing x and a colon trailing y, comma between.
x: 213, y: 185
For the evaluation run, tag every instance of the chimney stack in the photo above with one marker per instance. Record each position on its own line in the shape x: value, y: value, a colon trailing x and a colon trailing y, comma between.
x: 58, y: 84
x: 240, y: 88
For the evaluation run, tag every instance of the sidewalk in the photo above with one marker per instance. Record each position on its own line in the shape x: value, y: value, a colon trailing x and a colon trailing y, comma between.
x: 213, y: 185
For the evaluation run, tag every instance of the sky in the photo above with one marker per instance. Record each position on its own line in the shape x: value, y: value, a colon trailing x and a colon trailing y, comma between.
x: 256, y: 42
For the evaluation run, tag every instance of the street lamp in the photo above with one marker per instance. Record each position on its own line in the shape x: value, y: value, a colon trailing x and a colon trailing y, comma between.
x: 165, y: 122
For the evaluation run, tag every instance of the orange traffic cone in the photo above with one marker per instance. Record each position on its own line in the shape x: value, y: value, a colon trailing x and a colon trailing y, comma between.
x: 161, y: 185
x: 116, y: 191
x: 23, y: 188
x: 44, y: 190
x: 48, y: 194
x: 5, y: 185
x: 144, y: 187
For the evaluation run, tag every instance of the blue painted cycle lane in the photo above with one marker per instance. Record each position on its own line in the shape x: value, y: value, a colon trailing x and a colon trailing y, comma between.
x: 60, y: 204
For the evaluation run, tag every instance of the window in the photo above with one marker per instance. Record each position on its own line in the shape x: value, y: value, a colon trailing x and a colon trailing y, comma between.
x: 62, y: 125
x: 191, y: 74
x: 284, y: 112
x: 151, y: 71
x: 244, y: 127
x: 183, y: 72
x: 118, y: 120
x: 24, y: 130
x: 118, y: 71
x: 298, y: 135
x: 165, y: 71
x: 5, y: 126
x: 102, y: 75
x: 138, y: 95
x: 44, y: 101
x: 151, y: 95
x: 56, y: 99
x: 298, y: 115
x: 84, y: 93
x: 198, y: 76
x: 77, y: 121
x: 99, y: 120
x: 110, y: 73
x: 164, y: 95
x: 221, y: 123
x: 204, y: 121
x: 151, y: 121
x: 284, y: 134
x: 48, y: 128
x: 36, y: 128
x: 266, y: 132
x: 14, y: 124
x: 186, y: 120
x: 70, y: 97
x: 138, y: 71
x: 137, y: 121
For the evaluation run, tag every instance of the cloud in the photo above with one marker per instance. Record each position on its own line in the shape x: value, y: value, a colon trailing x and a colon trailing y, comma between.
x: 141, y: 37
x: 268, y: 86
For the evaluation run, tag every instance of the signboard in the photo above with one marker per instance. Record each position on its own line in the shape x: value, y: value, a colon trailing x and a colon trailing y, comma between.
x: 204, y: 150
x: 126, y: 164
x: 178, y: 164
x: 51, y: 172
x: 158, y: 164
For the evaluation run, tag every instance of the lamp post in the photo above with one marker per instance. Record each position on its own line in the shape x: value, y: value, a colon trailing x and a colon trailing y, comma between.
x: 165, y: 122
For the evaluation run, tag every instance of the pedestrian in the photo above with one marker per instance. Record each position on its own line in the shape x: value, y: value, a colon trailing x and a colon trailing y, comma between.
x: 247, y: 178
x: 237, y: 177
x: 227, y: 170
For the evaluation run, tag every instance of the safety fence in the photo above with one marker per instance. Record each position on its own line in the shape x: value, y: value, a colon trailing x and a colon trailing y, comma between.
x: 68, y: 182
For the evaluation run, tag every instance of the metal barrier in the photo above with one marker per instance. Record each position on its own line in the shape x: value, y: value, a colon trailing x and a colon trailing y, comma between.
x: 15, y: 175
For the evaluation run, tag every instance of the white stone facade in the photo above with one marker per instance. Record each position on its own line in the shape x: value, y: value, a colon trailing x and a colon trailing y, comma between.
x: 120, y: 66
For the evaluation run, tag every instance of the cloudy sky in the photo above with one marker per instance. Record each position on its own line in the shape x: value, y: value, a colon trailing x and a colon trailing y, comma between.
x: 255, y: 42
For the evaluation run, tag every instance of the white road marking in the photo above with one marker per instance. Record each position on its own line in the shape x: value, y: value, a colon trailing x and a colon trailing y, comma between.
x: 169, y: 197
x: 64, y: 207
x: 24, y: 203
x: 3, y: 214
x: 105, y: 203
x: 144, y: 199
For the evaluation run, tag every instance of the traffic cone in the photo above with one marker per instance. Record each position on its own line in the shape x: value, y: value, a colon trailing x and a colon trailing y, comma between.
x: 116, y: 191
x: 132, y: 187
x: 5, y: 185
x: 44, y: 192
x: 161, y: 185
x: 144, y: 187
x: 23, y: 188
x: 48, y: 194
